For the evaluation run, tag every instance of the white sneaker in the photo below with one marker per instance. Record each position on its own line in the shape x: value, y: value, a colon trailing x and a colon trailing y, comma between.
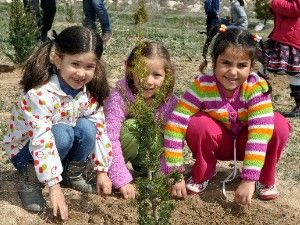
x: 194, y: 188
x: 266, y: 192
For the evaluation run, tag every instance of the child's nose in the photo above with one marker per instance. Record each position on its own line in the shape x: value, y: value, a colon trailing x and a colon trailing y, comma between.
x: 149, y: 79
x: 80, y: 72
x: 233, y: 70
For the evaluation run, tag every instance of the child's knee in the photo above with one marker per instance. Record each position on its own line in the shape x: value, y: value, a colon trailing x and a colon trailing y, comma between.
x: 86, y: 126
x: 200, y: 125
x: 282, y: 128
x: 63, y: 136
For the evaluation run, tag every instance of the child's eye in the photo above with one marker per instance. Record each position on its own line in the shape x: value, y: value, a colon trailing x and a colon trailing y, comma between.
x: 226, y: 63
x: 243, y: 65
x: 91, y: 67
x: 157, y: 75
x: 75, y: 64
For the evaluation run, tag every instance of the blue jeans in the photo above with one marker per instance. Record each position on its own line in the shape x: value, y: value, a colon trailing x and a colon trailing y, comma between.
x: 72, y: 143
x: 93, y: 9
x: 211, y: 20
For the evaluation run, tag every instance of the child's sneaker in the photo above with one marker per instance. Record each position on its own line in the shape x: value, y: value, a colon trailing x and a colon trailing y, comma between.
x: 194, y: 188
x: 266, y: 192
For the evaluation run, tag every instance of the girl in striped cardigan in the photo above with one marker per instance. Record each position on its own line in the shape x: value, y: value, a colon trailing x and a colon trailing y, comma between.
x: 228, y: 115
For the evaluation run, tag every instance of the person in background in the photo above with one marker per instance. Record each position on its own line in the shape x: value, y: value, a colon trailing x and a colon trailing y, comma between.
x: 282, y: 53
x: 238, y: 14
x: 228, y: 115
x: 119, y: 121
x: 94, y: 9
x: 212, y: 9
x: 45, y: 17
x: 58, y: 121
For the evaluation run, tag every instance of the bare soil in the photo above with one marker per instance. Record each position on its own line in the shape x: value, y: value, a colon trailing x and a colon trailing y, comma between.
x: 207, y: 208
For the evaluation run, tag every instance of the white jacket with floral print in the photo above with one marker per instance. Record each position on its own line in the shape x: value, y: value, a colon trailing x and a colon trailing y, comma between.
x: 32, y: 118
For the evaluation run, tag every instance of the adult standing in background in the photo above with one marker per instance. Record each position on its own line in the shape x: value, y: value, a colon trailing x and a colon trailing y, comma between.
x: 45, y: 18
x: 212, y: 10
x: 238, y: 14
x: 96, y: 9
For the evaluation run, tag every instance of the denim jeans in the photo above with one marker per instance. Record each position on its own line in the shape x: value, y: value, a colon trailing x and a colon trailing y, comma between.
x: 93, y: 9
x: 44, y: 19
x: 211, y: 20
x: 72, y: 143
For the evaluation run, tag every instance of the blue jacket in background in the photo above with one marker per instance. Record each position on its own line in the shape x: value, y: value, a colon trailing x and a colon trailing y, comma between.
x: 212, y: 7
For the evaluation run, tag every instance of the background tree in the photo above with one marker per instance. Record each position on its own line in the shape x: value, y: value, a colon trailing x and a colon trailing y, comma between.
x: 141, y: 15
x: 23, y: 32
x: 262, y: 10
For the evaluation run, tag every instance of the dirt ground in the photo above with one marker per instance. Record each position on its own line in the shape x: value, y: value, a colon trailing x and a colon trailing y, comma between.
x: 207, y: 208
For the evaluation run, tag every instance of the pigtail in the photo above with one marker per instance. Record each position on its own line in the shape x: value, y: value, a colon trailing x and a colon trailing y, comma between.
x: 262, y: 60
x: 38, y: 68
x: 98, y: 86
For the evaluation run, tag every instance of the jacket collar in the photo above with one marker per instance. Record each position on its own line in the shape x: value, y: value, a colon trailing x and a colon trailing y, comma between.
x: 54, y: 86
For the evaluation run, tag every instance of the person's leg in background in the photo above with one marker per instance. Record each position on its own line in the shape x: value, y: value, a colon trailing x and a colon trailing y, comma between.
x: 103, y: 17
x: 211, y: 20
x: 49, y: 10
x: 295, y: 93
x: 89, y: 14
x: 34, y: 7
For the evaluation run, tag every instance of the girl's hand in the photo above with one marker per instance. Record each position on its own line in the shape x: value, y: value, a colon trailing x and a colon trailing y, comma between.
x: 58, y: 201
x: 103, y: 184
x: 179, y: 190
x: 244, y: 192
x: 128, y: 191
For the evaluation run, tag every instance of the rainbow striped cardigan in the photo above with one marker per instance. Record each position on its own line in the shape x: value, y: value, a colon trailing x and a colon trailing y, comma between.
x: 249, y: 106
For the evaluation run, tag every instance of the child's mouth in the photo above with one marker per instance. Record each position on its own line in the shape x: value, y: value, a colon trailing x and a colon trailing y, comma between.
x: 231, y: 79
x: 78, y: 80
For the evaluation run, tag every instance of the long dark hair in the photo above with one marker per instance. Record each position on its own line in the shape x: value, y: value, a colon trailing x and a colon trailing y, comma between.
x: 151, y: 49
x: 72, y: 40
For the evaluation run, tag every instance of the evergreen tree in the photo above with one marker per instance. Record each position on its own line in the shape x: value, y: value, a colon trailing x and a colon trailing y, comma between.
x: 141, y: 15
x: 23, y: 32
x: 153, y: 201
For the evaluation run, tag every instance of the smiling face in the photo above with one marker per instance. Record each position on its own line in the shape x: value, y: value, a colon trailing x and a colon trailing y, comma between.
x: 232, y: 69
x: 155, y: 79
x: 76, y: 70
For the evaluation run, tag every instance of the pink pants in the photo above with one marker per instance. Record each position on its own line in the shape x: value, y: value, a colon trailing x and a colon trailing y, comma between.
x: 210, y: 141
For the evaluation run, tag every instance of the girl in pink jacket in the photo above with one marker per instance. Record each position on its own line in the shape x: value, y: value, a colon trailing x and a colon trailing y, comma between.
x: 283, y: 51
x: 119, y: 120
